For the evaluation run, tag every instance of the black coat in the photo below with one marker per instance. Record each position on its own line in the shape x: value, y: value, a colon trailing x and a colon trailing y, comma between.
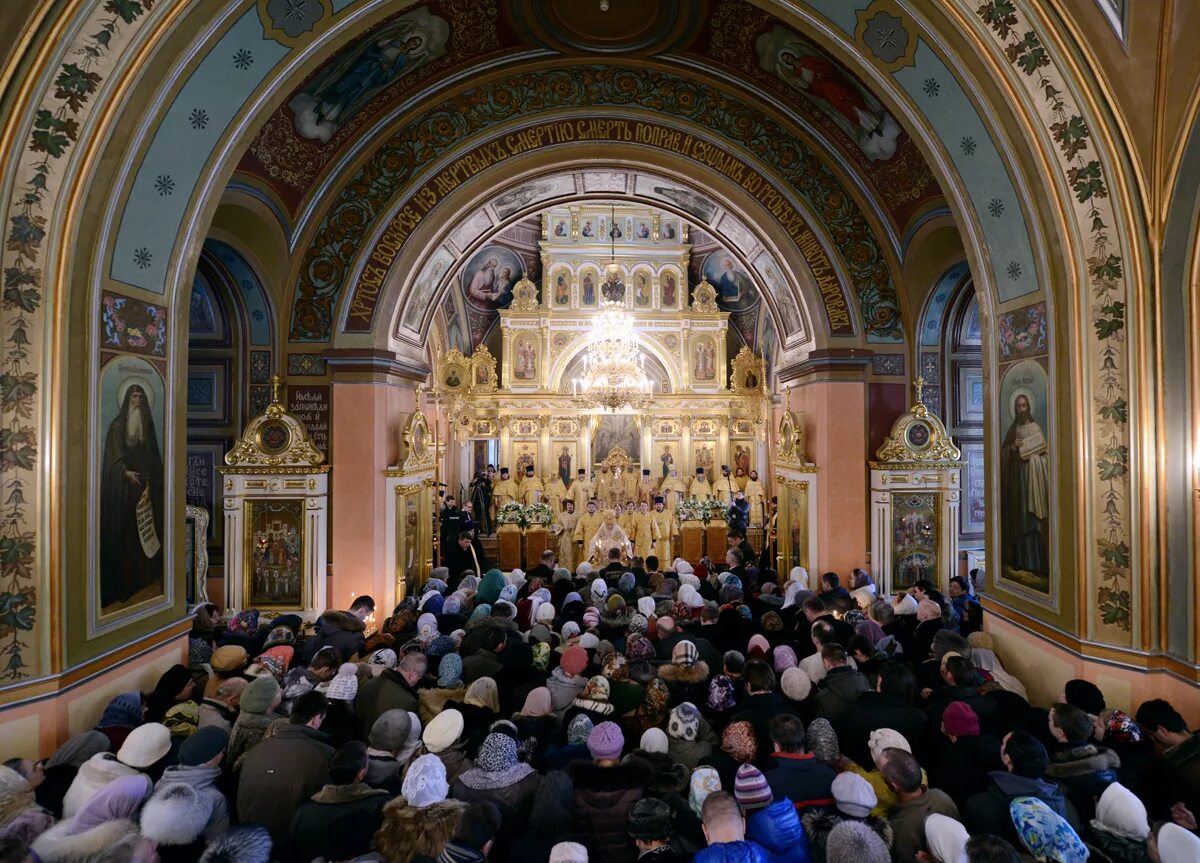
x: 987, y: 812
x: 757, y: 710
x: 337, y: 823
x: 963, y: 768
x: 874, y: 710
x: 338, y: 629
x: 983, y: 705
x: 458, y: 560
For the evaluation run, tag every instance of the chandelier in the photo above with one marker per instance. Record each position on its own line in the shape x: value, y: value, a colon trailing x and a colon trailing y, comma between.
x: 614, y: 374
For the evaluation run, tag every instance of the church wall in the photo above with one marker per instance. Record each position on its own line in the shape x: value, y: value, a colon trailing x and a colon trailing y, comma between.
x: 885, y: 402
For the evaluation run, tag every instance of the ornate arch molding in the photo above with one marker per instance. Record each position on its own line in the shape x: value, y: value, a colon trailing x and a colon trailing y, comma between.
x: 46, y: 195
x: 383, y: 307
x: 740, y: 137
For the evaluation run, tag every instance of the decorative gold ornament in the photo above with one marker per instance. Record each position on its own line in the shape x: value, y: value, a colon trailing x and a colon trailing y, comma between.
x: 483, y: 371
x: 452, y: 373
x: 417, y: 443
x: 525, y: 296
x: 275, y: 438
x: 704, y: 299
x: 749, y: 374
x: 917, y: 437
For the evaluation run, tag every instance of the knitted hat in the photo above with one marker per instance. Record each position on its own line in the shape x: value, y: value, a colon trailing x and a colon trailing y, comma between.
x: 440, y: 646
x: 796, y: 684
x: 685, y: 722
x: 574, y: 660
x: 145, y: 745
x: 960, y: 720
x: 229, y: 658
x: 450, y: 671
x: 591, y: 618
x: 443, y: 730
x: 684, y: 653
x: 391, y: 730
x: 854, y: 840
x: 853, y: 795
x: 344, y: 687
x: 207, y: 743
x: 638, y: 622
x: 1085, y: 695
x: 822, y: 740
x: 425, y: 782
x: 259, y: 695
x: 124, y: 710
x: 654, y: 740
x: 579, y: 729
x: 651, y: 819
x: 751, y: 789
x: 606, y: 740
x: 385, y: 657
x: 568, y: 852
x: 183, y: 719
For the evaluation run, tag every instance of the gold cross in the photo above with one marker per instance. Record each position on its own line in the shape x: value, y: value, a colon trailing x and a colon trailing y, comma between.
x: 275, y: 389
x: 919, y: 383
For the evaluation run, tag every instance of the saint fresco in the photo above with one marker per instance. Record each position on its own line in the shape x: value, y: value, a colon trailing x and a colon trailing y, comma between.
x: 1025, y: 477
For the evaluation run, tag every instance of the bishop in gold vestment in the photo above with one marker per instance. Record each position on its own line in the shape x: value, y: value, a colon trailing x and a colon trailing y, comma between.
x: 700, y: 487
x: 505, y: 490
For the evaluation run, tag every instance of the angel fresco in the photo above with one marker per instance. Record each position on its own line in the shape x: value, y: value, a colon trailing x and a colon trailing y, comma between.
x: 358, y: 74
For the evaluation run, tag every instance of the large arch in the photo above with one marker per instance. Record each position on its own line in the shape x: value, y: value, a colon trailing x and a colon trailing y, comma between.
x: 219, y: 68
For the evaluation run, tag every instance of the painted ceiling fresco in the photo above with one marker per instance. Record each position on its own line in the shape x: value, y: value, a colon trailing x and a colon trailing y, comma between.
x: 391, y: 64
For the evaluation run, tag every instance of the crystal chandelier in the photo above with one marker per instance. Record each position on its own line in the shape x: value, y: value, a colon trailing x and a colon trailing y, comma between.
x: 614, y: 374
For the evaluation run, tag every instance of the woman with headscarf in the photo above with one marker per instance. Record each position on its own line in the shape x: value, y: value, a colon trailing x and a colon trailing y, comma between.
x: 946, y: 838
x: 174, y: 687
x: 62, y: 767
x: 1044, y: 833
x: 422, y: 821
x: 1121, y: 826
x: 738, y: 746
x: 988, y: 661
x: 450, y: 687
x: 537, y: 726
x: 929, y: 622
x: 499, y: 777
x: 1176, y: 845
x: 479, y: 708
x: 881, y: 739
x: 20, y: 816
x: 489, y: 588
x: 104, y: 830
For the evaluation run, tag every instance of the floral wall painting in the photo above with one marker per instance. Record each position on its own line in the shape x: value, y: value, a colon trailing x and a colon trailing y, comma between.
x: 489, y: 275
x: 843, y: 99
x: 131, y: 482
x: 1025, y: 477
x: 356, y: 76
x: 138, y: 327
x: 1022, y: 333
x: 704, y: 360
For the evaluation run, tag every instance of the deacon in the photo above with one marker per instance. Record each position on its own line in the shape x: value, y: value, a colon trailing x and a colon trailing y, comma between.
x: 645, y: 531
x: 625, y: 519
x: 726, y: 486
x: 740, y: 479
x: 582, y: 490
x: 531, y: 490
x: 664, y: 523
x: 700, y: 488
x: 564, y: 529
x: 646, y: 490
x: 588, y: 524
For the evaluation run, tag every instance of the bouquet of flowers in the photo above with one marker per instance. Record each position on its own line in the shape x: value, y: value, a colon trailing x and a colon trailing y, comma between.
x: 538, y: 513
x: 691, y: 509
x: 714, y: 508
x: 511, y: 513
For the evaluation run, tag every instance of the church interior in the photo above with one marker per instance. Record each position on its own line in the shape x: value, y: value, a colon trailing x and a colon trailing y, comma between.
x: 904, y: 286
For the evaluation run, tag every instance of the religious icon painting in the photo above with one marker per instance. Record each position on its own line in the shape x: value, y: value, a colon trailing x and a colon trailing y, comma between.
x: 565, y: 460
x: 669, y: 281
x: 704, y: 427
x: 666, y: 458
x: 1025, y: 476
x: 668, y: 231
x: 524, y: 359
x: 643, y: 231
x: 560, y: 287
x: 525, y: 455
x: 275, y: 554
x: 589, y: 287
x: 132, y: 503
x: 914, y: 538
x: 704, y: 360
x: 642, y: 289
x: 525, y: 427
x: 666, y: 427
x: 560, y: 229
x: 489, y: 276
x: 742, y: 457
x: 705, y: 456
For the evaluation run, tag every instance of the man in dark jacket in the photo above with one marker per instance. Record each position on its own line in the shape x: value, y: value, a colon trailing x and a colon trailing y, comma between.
x: 1025, y: 762
x: 342, y: 630
x: 1082, y: 767
x: 485, y: 662
x: 842, y: 684
x: 964, y: 765
x: 962, y: 684
x: 606, y: 790
x: 461, y: 556
x: 1179, y: 747
x: 284, y: 770
x: 798, y: 775
x: 762, y: 703
x: 393, y: 689
x: 889, y: 706
x: 832, y: 593
x: 815, y: 609
x: 338, y: 822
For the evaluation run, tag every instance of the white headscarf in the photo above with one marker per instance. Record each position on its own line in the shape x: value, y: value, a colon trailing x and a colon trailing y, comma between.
x: 947, y: 839
x: 1176, y: 845
x: 789, y: 596
x: 887, y: 738
x: 645, y: 606
x: 905, y: 604
x: 799, y: 575
x: 864, y: 596
x: 983, y: 658
x: 599, y: 589
x: 1121, y: 813
x: 682, y: 567
x: 690, y: 596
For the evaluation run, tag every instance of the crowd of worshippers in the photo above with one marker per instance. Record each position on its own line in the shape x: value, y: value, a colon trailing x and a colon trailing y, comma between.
x: 655, y: 715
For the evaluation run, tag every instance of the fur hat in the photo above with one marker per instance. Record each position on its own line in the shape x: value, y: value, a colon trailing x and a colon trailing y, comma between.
x: 145, y: 745
x: 853, y: 795
x: 606, y: 740
x: 250, y: 843
x: 175, y: 815
x: 259, y: 695
x: 344, y: 687
x: 425, y: 782
x: 685, y: 722
x: 651, y: 819
x: 443, y: 730
x: 854, y: 840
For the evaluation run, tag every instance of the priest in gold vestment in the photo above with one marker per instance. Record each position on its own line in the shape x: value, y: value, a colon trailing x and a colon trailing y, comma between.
x: 645, y: 531
x: 700, y: 488
x: 725, y: 486
x: 582, y: 490
x: 664, y: 523
x: 555, y: 493
x: 531, y: 490
x: 564, y: 530
x: 505, y: 491
x: 672, y: 491
x: 588, y: 524
x: 757, y: 495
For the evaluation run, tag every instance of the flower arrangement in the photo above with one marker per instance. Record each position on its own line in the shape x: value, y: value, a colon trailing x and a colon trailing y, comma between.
x: 715, y: 509
x: 538, y: 513
x: 691, y: 509
x: 511, y: 513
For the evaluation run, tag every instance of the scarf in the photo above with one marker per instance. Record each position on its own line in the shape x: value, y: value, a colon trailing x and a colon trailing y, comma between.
x: 497, y: 765
x: 655, y: 705
x: 119, y: 799
x: 15, y: 795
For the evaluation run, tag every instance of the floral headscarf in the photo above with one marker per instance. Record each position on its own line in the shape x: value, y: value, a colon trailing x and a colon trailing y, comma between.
x: 483, y: 693
x: 615, y: 668
x: 656, y: 705
x: 541, y: 656
x: 1045, y: 833
x: 739, y: 741
x: 823, y: 741
x: 705, y: 780
x: 721, y: 694
x: 579, y: 729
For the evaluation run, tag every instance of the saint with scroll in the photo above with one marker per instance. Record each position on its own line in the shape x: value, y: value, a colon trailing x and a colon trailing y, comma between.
x: 608, y: 536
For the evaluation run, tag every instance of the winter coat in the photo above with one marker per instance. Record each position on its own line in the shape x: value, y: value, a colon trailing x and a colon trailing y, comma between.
x: 336, y: 823
x: 186, y: 806
x: 248, y: 731
x: 802, y: 779
x: 217, y: 714
x: 818, y: 824
x: 388, y: 691
x: 965, y: 764
x: 908, y: 821
x: 778, y: 830
x: 603, y: 798
x: 732, y: 852
x: 340, y: 630
x: 539, y: 732
x: 669, y: 775
x: 871, y: 711
x: 839, y: 690
x: 431, y: 701
x: 1084, y: 772
x: 758, y: 709
x: 1184, y: 759
x: 559, y: 757
x: 514, y: 801
x: 564, y: 689
x: 408, y: 831
x: 279, y: 774
x: 686, y: 683
x: 983, y: 705
x: 484, y: 663
x: 385, y: 771
x: 987, y: 812
x: 99, y: 770
x: 111, y: 842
